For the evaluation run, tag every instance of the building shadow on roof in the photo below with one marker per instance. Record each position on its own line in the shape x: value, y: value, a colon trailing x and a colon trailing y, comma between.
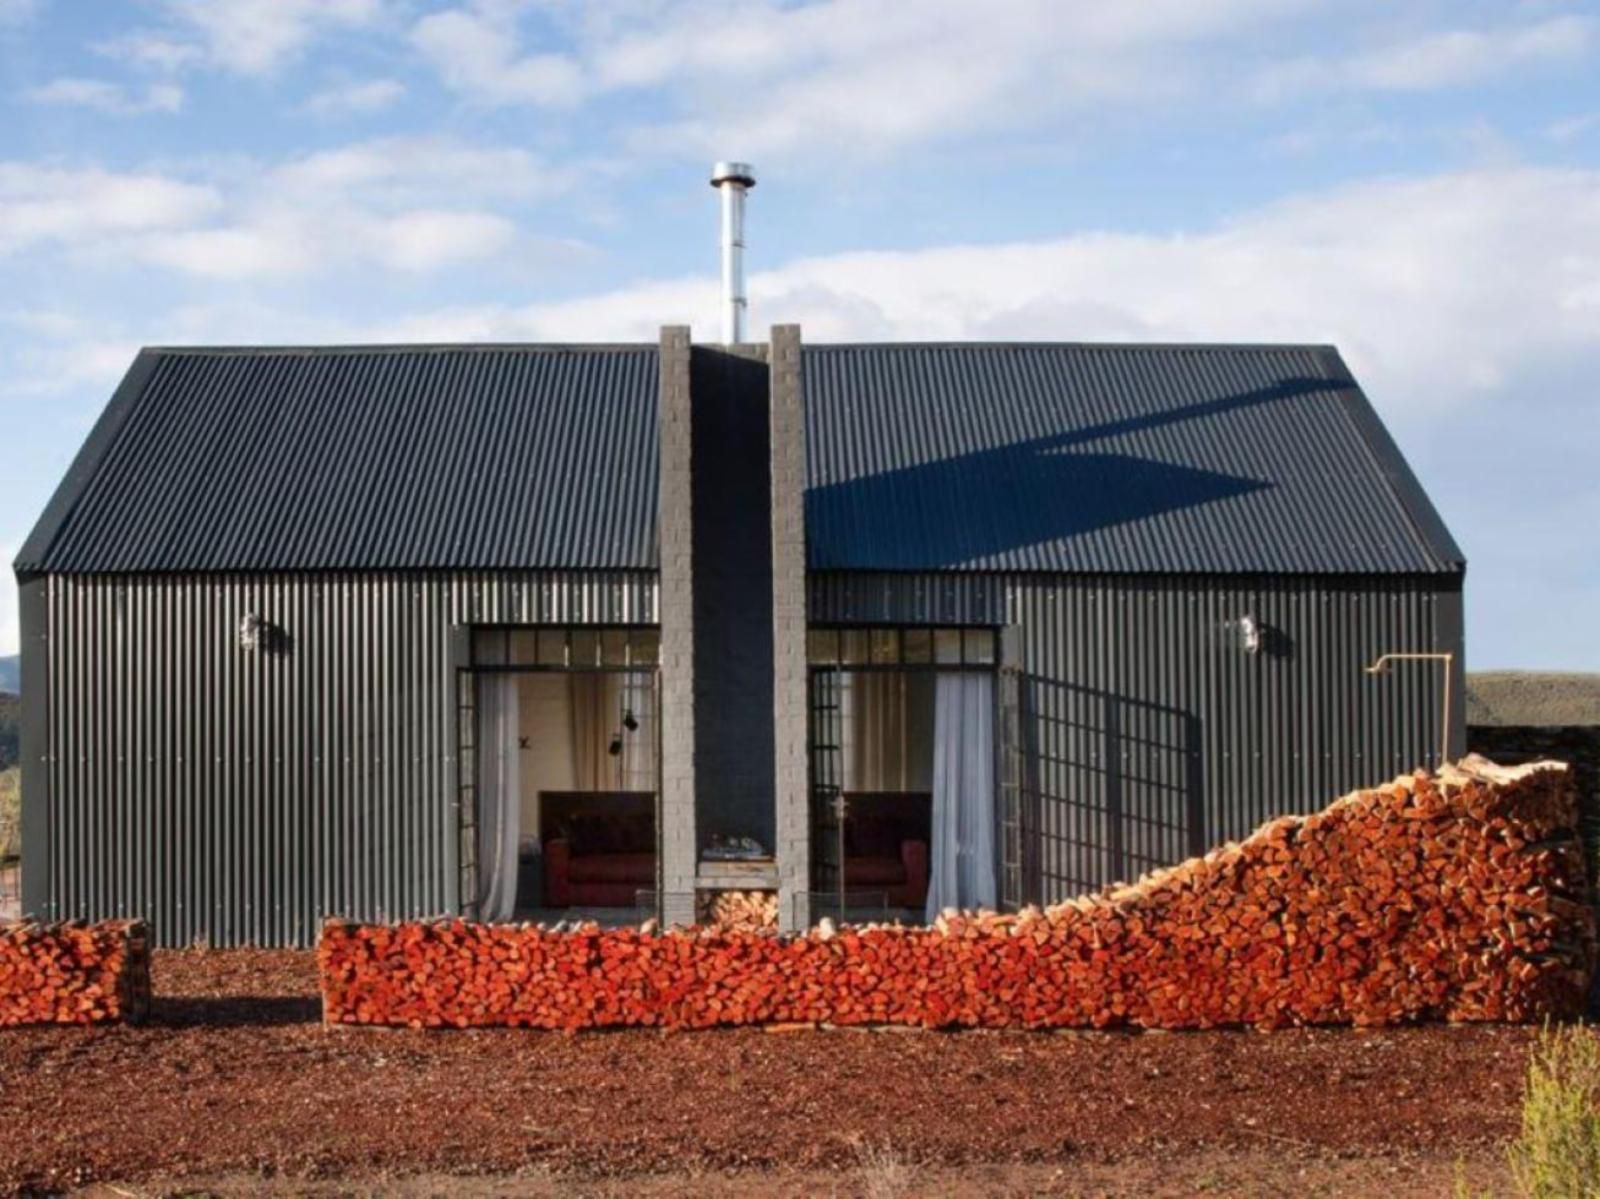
x: 980, y: 508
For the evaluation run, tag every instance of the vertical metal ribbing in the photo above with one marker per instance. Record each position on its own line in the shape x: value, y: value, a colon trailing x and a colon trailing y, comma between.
x: 1151, y: 732
x: 243, y: 796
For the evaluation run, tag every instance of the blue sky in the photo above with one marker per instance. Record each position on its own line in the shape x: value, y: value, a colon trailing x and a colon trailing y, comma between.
x: 1418, y: 183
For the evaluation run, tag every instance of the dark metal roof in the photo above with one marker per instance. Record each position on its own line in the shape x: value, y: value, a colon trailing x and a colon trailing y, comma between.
x: 401, y: 457
x: 1106, y: 458
x: 1059, y: 457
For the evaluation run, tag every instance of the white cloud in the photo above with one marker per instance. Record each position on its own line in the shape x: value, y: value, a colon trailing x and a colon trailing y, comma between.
x: 478, y: 55
x: 58, y: 204
x: 18, y: 12
x: 768, y: 76
x: 357, y: 98
x: 425, y: 240
x: 1433, y: 61
x: 149, y: 49
x: 402, y: 204
x: 276, y: 245
x: 421, y: 169
x: 88, y: 362
x: 247, y: 37
x: 1572, y: 128
x: 1463, y: 56
x: 103, y: 96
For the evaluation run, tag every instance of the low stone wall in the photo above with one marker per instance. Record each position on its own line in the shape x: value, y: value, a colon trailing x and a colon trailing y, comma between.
x: 74, y: 973
x: 1452, y: 898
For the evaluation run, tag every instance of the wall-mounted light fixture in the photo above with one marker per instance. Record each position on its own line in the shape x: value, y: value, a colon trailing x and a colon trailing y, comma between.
x: 1381, y: 666
x: 1250, y: 634
x: 252, y: 631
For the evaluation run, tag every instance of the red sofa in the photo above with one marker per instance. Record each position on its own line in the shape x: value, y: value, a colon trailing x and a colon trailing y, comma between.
x: 599, y: 848
x: 600, y: 880
x: 886, y: 845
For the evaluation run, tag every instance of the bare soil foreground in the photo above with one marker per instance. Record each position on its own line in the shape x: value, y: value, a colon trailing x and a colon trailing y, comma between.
x: 234, y: 1086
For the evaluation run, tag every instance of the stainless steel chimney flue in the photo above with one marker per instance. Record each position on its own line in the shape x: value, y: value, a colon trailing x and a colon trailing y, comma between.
x: 733, y: 179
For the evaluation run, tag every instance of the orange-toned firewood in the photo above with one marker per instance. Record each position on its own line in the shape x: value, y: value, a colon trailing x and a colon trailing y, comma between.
x: 1458, y: 897
x: 745, y: 911
x: 73, y: 973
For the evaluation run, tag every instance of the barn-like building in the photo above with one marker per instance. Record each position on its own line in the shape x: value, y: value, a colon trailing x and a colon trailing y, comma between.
x: 516, y: 630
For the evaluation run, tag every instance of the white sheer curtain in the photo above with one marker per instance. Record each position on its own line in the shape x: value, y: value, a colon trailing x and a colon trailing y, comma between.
x: 961, y: 858
x: 499, y: 795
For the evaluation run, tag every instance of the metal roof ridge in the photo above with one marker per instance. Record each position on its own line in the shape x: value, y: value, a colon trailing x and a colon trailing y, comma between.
x: 408, y: 348
x: 1151, y: 346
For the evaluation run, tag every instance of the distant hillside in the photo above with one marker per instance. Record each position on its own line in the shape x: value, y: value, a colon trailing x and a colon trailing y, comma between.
x: 10, y: 730
x: 11, y: 674
x: 1535, y: 698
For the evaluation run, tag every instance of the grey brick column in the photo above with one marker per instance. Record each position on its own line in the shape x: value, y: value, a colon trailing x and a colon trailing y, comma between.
x: 679, y: 847
x: 789, y: 696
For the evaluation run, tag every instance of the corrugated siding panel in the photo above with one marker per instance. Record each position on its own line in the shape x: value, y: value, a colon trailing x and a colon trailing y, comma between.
x: 1105, y: 459
x: 243, y: 797
x: 1150, y: 735
x: 404, y: 458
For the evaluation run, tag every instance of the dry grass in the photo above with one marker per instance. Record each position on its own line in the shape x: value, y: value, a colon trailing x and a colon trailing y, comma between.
x: 1557, y: 1154
x: 885, y: 1172
x: 10, y: 812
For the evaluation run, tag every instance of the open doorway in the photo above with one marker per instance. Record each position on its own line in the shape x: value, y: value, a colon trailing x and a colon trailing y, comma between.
x: 903, y: 758
x: 560, y: 767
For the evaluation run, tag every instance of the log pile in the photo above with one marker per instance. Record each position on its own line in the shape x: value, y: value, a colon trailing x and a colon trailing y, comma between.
x: 74, y: 973
x: 738, y: 911
x: 1457, y: 897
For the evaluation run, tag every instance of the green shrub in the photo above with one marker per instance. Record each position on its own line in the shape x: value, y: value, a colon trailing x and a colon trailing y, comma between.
x: 1557, y: 1155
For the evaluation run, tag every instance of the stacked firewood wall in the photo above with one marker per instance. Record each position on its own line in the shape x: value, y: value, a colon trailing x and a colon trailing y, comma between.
x: 73, y: 973
x: 1457, y: 897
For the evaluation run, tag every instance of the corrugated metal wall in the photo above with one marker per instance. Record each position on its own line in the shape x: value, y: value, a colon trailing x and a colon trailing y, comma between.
x: 1150, y: 734
x: 243, y: 796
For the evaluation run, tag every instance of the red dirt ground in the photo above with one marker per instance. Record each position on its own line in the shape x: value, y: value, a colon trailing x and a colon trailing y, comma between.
x: 234, y: 1083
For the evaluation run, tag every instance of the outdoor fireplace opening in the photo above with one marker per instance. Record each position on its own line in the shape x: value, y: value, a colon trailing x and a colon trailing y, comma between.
x: 560, y: 775
x: 903, y: 756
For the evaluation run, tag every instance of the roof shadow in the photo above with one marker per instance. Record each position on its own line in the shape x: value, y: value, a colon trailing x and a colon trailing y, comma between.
x: 975, y: 508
